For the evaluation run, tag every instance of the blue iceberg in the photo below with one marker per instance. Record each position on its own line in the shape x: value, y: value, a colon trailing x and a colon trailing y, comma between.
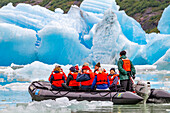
x: 97, y: 31
x: 164, y: 23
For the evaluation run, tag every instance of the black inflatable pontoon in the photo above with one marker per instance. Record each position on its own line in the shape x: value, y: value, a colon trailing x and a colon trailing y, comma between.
x: 159, y: 96
x: 42, y: 91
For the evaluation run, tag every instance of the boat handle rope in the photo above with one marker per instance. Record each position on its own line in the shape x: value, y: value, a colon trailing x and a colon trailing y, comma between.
x: 54, y: 90
x: 104, y: 95
x: 40, y: 85
x: 63, y: 94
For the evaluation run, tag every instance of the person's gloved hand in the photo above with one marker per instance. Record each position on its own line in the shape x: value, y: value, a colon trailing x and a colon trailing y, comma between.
x: 133, y: 76
x: 128, y: 73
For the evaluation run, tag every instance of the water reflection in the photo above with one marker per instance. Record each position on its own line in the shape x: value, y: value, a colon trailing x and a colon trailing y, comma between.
x: 139, y: 108
x: 142, y: 108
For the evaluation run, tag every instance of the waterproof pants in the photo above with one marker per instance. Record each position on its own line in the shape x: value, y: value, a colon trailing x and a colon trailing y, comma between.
x: 126, y: 85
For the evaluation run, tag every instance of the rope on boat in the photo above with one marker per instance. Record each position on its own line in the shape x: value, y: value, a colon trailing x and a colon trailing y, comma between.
x: 64, y: 94
x: 104, y: 95
x: 40, y: 85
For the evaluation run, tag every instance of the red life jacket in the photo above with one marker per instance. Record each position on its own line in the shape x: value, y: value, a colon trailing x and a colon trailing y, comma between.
x: 101, y: 78
x: 126, y: 64
x: 50, y: 76
x: 74, y: 82
x: 112, y: 78
x: 58, y: 79
x: 65, y: 76
x: 88, y: 82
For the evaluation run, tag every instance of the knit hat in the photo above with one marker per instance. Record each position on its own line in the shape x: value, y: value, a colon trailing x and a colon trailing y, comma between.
x: 72, y: 69
x: 112, y: 69
x: 98, y: 64
x: 77, y: 67
x: 86, y: 64
x: 86, y: 68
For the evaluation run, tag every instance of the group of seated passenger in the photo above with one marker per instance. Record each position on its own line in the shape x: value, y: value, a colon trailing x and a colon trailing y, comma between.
x: 84, y: 78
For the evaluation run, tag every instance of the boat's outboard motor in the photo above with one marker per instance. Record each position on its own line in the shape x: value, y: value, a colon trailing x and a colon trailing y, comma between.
x: 143, y: 89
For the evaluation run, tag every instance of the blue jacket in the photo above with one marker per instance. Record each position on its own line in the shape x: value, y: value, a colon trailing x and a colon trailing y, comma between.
x: 114, y: 81
x: 82, y: 77
x: 100, y: 86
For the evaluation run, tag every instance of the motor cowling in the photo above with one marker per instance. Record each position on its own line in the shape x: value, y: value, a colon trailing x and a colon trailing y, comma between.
x: 143, y: 89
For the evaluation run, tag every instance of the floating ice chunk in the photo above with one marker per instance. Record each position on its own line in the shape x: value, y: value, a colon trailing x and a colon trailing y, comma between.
x: 2, y: 88
x: 164, y: 62
x: 16, y: 86
x: 164, y: 23
x: 59, y: 10
x: 63, y: 102
x: 34, y: 71
x: 60, y: 105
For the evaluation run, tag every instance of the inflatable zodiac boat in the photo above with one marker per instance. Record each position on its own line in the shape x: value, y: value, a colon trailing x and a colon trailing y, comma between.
x: 42, y: 91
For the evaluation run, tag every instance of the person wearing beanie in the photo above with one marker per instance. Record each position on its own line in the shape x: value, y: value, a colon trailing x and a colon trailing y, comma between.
x: 86, y: 77
x: 97, y: 66
x: 86, y: 64
x: 56, y: 78
x: 101, y: 80
x: 126, y: 72
x: 71, y: 79
x: 113, y: 78
x: 76, y: 67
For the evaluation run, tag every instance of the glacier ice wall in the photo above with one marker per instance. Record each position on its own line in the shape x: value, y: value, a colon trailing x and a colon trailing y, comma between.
x: 17, y: 45
x: 109, y: 40
x: 164, y: 23
x: 130, y: 27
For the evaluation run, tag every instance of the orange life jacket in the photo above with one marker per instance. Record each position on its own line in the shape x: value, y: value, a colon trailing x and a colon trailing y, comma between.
x: 73, y: 82
x: 50, y: 75
x: 88, y: 82
x: 126, y: 64
x: 112, y: 78
x: 64, y: 75
x: 101, y: 78
x: 58, y: 79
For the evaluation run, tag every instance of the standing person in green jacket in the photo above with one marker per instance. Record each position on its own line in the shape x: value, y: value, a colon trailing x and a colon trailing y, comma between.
x: 126, y: 71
